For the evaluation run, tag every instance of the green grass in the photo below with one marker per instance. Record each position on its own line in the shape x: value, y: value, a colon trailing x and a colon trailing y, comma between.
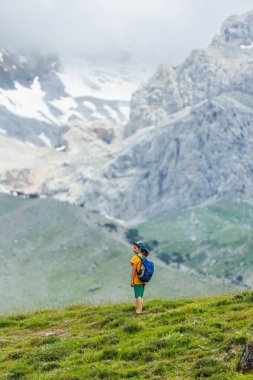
x: 215, y: 239
x: 179, y: 339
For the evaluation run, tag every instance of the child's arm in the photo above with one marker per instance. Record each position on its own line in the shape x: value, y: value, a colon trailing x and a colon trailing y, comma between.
x: 132, y: 274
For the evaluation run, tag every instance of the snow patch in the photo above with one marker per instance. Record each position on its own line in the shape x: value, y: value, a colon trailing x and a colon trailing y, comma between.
x: 67, y: 106
x: 90, y: 105
x: 97, y: 115
x: 5, y: 52
x: 3, y: 131
x: 45, y: 139
x: 61, y: 148
x: 247, y: 46
x: 126, y: 111
x: 77, y: 115
x: 112, y: 112
x: 1, y: 57
x: 110, y: 84
x: 22, y: 59
x: 64, y: 104
x: 27, y: 102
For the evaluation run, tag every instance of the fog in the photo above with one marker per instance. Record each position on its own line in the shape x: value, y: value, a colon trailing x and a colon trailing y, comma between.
x: 151, y: 31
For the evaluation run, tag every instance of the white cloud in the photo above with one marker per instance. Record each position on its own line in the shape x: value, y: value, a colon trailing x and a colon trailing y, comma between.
x: 152, y: 30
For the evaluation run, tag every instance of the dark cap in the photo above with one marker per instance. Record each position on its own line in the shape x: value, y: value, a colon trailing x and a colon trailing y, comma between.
x: 140, y: 244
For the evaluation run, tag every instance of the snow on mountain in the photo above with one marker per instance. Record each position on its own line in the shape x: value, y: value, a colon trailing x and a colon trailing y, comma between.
x: 250, y: 46
x: 45, y: 93
x: 189, y: 137
x: 27, y: 102
x: 107, y: 84
x: 103, y: 93
x: 67, y: 106
x: 53, y: 116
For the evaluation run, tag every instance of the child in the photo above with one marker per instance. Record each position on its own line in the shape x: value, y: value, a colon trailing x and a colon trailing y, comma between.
x: 139, y: 248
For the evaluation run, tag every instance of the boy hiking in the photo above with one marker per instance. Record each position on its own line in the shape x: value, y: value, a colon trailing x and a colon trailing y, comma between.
x: 140, y: 252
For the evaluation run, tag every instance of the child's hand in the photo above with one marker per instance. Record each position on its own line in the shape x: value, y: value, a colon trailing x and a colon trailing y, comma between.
x: 132, y: 284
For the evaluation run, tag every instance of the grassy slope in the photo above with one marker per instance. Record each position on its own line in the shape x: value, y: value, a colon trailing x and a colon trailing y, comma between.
x: 182, y: 339
x: 54, y: 254
x: 218, y: 237
x: 45, y: 246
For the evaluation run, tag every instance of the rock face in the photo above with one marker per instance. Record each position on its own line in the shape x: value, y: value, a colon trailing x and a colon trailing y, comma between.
x: 226, y: 65
x: 245, y: 364
x: 197, y: 155
x: 152, y: 104
x: 190, y: 134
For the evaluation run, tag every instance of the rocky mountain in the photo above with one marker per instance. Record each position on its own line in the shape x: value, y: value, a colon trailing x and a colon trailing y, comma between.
x: 190, y: 132
x: 200, y: 153
x: 48, y: 107
x: 40, y: 97
x: 189, y: 137
x: 226, y: 65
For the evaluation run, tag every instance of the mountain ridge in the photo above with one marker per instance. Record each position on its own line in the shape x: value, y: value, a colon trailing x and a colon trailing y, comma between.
x: 194, y: 125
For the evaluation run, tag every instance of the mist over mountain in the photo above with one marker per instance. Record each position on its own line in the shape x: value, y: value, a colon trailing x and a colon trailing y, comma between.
x: 188, y: 138
x: 151, y: 31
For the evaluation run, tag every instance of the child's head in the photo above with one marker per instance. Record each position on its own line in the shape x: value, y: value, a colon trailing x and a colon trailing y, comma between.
x: 136, y: 249
x: 140, y: 248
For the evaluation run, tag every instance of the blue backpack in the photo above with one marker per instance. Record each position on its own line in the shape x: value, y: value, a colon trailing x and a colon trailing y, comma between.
x: 147, y: 269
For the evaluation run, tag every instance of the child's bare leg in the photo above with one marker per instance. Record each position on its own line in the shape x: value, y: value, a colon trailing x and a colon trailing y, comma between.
x: 139, y: 302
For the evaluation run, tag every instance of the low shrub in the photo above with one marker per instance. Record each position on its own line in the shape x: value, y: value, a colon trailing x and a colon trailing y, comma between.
x: 132, y: 328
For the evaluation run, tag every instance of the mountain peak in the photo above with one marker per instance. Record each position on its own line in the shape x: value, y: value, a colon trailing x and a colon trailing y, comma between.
x: 236, y: 30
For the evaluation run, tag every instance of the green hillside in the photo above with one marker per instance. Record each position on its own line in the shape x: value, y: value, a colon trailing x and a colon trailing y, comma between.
x: 181, y: 339
x: 53, y: 254
x: 214, y: 239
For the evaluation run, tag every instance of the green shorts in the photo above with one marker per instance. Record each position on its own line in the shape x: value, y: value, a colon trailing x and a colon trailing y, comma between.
x: 139, y: 290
